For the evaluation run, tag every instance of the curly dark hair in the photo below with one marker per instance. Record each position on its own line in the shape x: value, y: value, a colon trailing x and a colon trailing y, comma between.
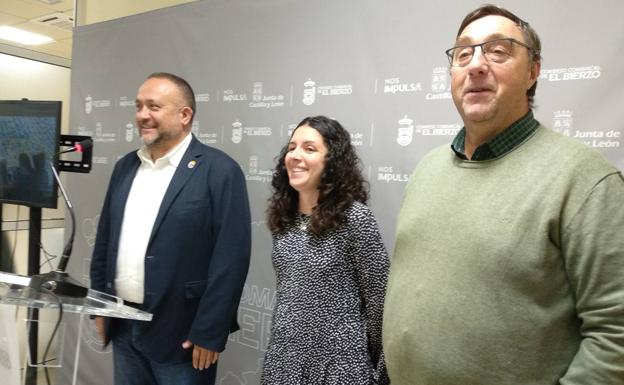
x: 341, y: 183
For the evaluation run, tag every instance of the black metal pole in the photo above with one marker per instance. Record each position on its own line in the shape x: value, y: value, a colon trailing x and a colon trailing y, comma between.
x: 34, y: 240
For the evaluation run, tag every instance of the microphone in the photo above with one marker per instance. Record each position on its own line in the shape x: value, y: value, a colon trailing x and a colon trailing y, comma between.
x: 79, y: 147
x: 58, y: 281
x: 70, y: 241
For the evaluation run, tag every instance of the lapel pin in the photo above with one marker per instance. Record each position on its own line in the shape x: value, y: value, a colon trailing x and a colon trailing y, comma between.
x: 191, y: 164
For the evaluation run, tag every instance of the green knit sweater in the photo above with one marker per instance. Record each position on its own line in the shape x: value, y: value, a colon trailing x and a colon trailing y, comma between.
x: 509, y: 271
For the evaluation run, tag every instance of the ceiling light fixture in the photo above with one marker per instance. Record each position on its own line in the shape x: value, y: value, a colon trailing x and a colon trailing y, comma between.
x: 23, y: 37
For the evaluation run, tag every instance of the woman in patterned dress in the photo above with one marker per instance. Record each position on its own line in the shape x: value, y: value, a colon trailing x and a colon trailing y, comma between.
x: 330, y: 262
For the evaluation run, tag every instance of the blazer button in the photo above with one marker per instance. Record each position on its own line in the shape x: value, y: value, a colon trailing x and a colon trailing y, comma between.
x: 109, y: 285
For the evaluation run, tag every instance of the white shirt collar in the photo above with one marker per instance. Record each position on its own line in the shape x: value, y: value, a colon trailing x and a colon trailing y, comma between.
x: 173, y: 157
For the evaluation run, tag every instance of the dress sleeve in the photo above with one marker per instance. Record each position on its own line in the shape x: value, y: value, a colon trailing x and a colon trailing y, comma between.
x: 371, y: 267
x: 593, y: 248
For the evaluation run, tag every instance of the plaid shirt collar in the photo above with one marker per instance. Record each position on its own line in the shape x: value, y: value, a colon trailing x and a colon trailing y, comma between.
x: 502, y: 143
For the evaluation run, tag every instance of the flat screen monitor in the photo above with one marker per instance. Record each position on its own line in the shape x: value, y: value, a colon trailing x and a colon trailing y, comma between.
x: 29, y: 140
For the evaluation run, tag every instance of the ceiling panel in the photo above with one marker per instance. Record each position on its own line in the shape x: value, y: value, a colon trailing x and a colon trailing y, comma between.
x: 58, y: 7
x: 8, y: 19
x: 25, y: 9
x: 53, y: 32
x: 20, y: 13
x: 60, y: 48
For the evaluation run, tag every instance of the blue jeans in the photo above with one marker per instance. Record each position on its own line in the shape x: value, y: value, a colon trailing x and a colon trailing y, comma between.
x: 133, y: 367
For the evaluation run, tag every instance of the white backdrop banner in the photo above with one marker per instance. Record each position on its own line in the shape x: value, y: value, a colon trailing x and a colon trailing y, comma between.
x: 259, y: 67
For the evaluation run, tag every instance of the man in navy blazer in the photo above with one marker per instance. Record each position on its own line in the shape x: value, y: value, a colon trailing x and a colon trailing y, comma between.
x: 174, y: 240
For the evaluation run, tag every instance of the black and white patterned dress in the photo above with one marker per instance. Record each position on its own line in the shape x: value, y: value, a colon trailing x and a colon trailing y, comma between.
x: 328, y: 312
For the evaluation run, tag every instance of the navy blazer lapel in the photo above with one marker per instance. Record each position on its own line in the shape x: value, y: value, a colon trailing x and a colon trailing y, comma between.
x: 128, y: 178
x: 180, y: 177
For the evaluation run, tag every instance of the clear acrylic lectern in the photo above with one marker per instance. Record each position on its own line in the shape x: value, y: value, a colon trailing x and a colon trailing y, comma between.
x: 15, y: 290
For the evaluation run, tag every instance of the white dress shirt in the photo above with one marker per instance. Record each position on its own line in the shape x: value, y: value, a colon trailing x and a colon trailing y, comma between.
x: 144, y: 200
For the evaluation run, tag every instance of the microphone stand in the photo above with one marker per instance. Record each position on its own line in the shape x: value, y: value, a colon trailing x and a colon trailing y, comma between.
x: 58, y: 281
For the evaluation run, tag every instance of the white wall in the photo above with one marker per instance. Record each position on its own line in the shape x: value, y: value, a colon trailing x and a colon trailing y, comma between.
x: 23, y: 78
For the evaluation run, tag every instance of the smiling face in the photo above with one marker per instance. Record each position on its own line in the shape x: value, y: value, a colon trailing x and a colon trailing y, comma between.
x: 162, y: 119
x: 494, y: 94
x: 305, y: 160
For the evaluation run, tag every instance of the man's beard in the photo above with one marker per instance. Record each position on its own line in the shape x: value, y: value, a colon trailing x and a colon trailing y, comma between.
x: 150, y: 140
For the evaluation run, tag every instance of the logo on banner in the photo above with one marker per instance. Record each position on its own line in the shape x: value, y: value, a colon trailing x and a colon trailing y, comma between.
x: 129, y: 132
x: 84, y: 131
x: 389, y: 175
x: 230, y: 96
x: 309, y: 92
x: 202, y: 98
x: 562, y: 122
x: 256, y: 311
x: 101, y: 160
x: 103, y: 137
x: 245, y: 376
x: 406, y: 131
x: 259, y: 100
x: 290, y: 129
x: 255, y: 174
x: 256, y: 93
x: 357, y: 139
x: 89, y: 230
x: 600, y: 139
x: 591, y: 72
x: 204, y: 137
x: 125, y: 101
x: 92, y: 338
x: 253, y: 165
x: 394, y: 85
x: 88, y: 104
x: 440, y: 84
x: 207, y: 137
x: 237, y: 132
x: 91, y: 104
x: 437, y: 129
x: 258, y: 131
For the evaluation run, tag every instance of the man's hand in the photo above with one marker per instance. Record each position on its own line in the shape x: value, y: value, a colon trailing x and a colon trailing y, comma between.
x: 202, y: 358
x: 99, y: 326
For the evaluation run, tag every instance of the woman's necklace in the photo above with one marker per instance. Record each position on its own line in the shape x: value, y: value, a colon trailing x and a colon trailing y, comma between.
x: 304, y: 220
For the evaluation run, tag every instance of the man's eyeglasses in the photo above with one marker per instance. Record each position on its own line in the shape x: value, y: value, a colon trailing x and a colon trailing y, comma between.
x: 495, y: 51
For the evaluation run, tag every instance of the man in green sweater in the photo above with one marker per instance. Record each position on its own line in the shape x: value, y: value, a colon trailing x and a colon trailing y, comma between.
x: 509, y: 257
